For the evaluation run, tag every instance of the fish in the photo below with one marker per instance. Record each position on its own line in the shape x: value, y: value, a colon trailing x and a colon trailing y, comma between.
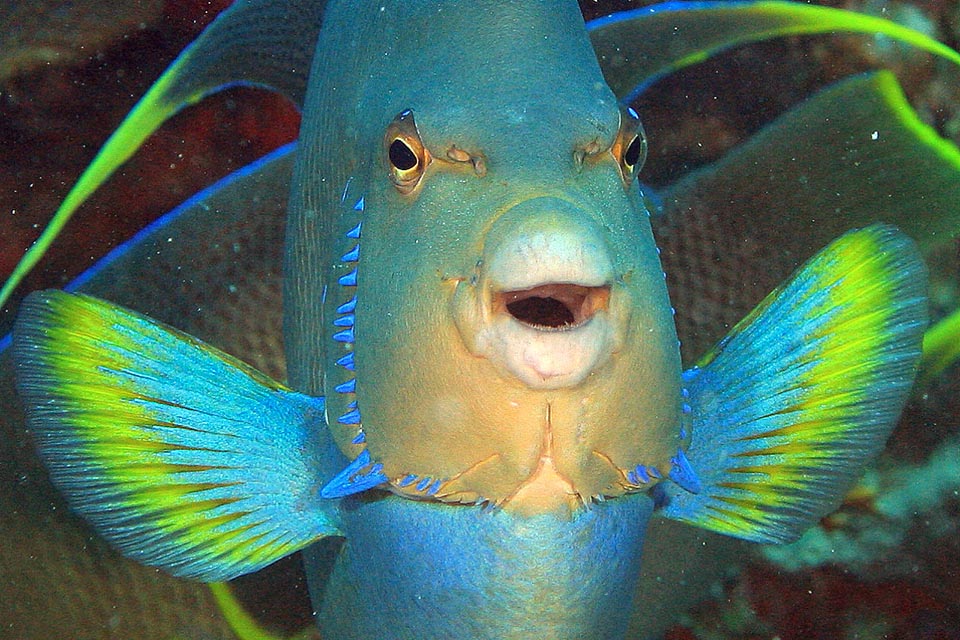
x: 545, y: 472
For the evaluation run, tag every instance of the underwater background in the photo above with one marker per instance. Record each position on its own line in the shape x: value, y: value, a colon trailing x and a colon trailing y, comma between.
x: 70, y: 71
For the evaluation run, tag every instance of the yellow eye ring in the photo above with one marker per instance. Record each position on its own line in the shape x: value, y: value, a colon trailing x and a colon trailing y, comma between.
x: 629, y: 148
x: 407, y: 157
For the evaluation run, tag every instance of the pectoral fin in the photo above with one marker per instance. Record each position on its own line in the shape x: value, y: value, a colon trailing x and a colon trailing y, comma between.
x: 178, y: 454
x: 787, y: 408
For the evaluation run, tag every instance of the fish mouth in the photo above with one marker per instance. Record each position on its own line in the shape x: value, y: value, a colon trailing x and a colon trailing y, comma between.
x: 553, y: 306
x: 543, y: 306
x: 548, y: 336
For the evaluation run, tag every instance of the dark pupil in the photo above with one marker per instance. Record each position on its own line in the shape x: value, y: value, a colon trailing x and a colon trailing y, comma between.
x: 632, y: 155
x: 401, y: 156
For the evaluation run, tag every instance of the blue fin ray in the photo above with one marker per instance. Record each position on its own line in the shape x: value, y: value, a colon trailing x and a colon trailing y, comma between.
x: 179, y: 455
x: 804, y: 390
x: 358, y: 476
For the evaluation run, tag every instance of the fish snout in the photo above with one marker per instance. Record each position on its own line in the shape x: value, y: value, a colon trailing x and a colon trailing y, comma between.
x: 540, y: 306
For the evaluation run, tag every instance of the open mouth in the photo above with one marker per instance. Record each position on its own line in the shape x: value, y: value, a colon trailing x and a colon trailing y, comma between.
x: 553, y: 306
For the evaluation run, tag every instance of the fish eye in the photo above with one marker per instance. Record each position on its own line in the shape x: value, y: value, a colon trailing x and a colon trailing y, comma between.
x: 630, y: 147
x: 634, y: 155
x: 402, y: 157
x: 406, y: 154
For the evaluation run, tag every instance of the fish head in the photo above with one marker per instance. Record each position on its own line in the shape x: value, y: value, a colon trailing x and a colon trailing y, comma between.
x: 502, y: 330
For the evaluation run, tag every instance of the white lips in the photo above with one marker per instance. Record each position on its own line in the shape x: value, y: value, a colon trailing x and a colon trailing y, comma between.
x: 543, y: 257
x: 547, y: 359
x: 543, y: 296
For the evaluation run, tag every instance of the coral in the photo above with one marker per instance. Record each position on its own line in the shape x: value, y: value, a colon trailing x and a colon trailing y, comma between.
x: 868, y: 538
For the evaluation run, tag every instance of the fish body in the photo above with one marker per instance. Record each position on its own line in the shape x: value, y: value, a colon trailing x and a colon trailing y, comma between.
x: 437, y: 359
x: 484, y: 402
x: 442, y: 571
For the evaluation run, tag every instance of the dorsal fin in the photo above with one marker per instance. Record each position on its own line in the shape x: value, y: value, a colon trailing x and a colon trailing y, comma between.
x: 265, y: 43
x: 853, y: 154
x: 673, y: 35
x: 222, y: 287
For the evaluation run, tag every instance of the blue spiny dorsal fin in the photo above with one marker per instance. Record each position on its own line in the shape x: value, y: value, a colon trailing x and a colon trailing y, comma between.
x: 179, y: 455
x: 806, y: 389
x: 263, y: 43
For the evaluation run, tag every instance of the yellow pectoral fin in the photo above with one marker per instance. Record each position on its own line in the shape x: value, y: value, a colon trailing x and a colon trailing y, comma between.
x: 805, y: 390
x: 179, y: 455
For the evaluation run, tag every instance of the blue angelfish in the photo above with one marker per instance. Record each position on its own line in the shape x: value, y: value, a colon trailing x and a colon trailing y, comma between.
x: 485, y: 403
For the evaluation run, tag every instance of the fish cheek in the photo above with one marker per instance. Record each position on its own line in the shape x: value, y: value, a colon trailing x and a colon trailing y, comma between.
x: 478, y: 435
x: 628, y: 411
x: 433, y: 410
x: 609, y: 429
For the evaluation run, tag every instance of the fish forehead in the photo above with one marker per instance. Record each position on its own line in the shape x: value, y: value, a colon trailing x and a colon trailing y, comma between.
x: 515, y: 83
x: 484, y: 73
x: 527, y: 105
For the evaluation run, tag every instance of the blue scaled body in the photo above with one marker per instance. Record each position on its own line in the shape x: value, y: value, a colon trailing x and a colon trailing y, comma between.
x: 484, y: 403
x: 475, y: 574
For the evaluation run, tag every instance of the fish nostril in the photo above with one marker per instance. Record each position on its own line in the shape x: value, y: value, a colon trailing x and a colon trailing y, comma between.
x: 555, y: 306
